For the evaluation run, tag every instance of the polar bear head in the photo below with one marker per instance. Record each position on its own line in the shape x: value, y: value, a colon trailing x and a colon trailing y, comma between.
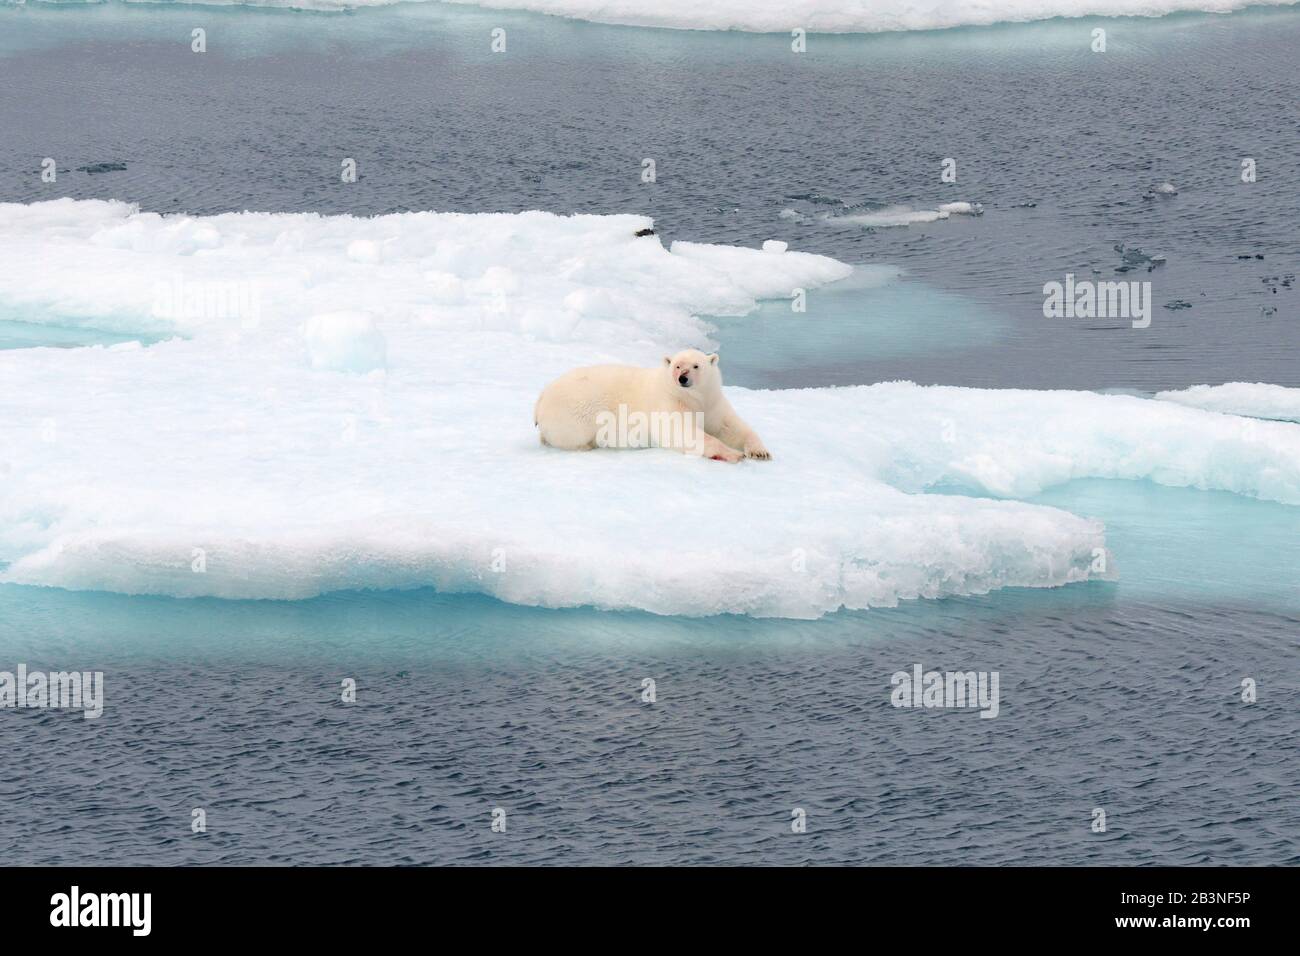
x: 693, y: 369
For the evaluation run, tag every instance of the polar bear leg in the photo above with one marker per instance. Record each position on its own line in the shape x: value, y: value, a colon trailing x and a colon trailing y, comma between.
x: 735, y: 433
x: 563, y: 420
x: 720, y: 452
x: 567, y: 433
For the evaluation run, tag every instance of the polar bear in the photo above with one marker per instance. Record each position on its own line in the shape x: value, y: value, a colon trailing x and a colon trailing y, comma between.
x: 678, y: 404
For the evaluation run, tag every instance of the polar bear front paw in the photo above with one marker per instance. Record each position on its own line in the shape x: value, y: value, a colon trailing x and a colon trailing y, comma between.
x: 756, y: 449
x: 727, y: 454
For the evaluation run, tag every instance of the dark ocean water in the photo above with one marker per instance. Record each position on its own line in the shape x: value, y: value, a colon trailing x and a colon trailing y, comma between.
x: 1122, y: 697
x: 465, y: 705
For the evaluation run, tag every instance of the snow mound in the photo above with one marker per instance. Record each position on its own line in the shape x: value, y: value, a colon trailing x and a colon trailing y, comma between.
x: 1253, y: 399
x: 221, y: 463
x: 345, y: 342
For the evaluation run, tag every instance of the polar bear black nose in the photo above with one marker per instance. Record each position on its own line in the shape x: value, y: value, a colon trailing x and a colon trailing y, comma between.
x: 682, y: 380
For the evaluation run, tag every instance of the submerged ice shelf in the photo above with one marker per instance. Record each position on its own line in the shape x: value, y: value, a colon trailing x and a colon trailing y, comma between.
x: 871, y: 315
x: 231, y: 462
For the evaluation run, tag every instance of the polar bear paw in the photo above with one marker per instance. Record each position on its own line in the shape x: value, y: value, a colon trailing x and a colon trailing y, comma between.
x: 756, y: 449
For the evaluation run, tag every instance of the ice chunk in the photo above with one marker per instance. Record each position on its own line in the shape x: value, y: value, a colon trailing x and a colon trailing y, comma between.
x: 1253, y: 399
x: 1134, y: 256
x: 345, y: 342
x: 906, y: 215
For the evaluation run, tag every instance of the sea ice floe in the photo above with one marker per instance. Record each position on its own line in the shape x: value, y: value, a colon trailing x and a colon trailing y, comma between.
x: 220, y: 462
x: 783, y: 16
x: 829, y: 16
x: 1253, y: 399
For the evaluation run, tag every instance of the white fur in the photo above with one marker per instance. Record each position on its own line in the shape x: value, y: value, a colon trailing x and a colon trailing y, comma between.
x: 568, y: 411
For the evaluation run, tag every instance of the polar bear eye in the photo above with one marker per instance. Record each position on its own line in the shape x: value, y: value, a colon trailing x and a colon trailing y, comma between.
x: 694, y: 366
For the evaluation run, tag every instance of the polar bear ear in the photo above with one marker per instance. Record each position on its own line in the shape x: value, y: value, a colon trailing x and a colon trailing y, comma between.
x: 667, y: 360
x: 713, y: 359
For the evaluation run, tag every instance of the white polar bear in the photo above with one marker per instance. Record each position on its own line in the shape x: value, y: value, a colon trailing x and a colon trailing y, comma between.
x: 677, y: 405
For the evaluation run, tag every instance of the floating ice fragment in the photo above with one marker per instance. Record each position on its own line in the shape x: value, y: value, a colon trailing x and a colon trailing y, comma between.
x: 962, y: 208
x: 95, y: 169
x: 1164, y: 190
x: 1131, y: 255
x: 902, y: 215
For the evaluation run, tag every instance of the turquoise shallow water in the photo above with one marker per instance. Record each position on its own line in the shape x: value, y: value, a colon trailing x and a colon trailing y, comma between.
x: 22, y: 335
x: 1123, y: 695
x: 1173, y: 545
x: 874, y: 315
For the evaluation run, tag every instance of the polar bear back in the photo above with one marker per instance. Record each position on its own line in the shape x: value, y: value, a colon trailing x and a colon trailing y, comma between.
x: 567, y: 410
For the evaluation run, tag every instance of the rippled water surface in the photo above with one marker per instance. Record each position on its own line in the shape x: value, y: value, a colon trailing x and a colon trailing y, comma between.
x: 1123, y: 696
x: 465, y: 706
